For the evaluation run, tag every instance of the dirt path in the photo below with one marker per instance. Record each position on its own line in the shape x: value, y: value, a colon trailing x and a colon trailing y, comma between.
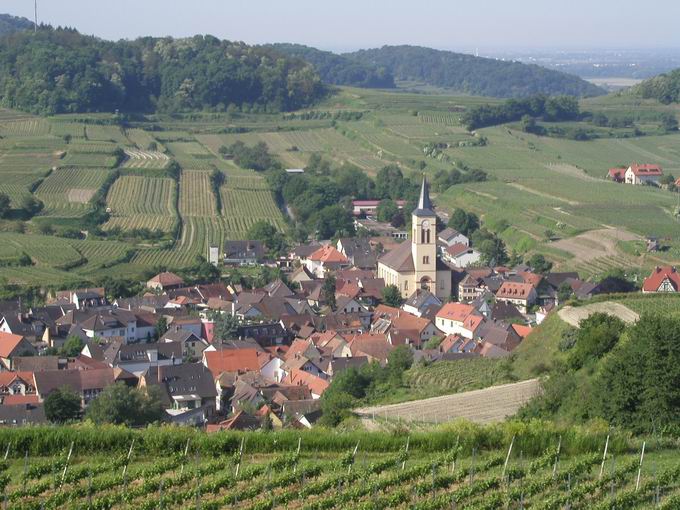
x: 480, y: 406
x: 542, y: 194
x: 595, y: 244
x: 574, y: 315
x: 571, y: 171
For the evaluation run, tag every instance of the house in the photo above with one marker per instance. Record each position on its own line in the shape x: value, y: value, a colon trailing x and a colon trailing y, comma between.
x: 112, y: 322
x: 459, y: 319
x: 325, y: 259
x: 137, y: 358
x: 16, y: 383
x: 188, y: 389
x: 643, y: 174
x: 88, y: 384
x: 239, y: 421
x: 500, y: 334
x: 21, y: 414
x: 316, y: 385
x: 374, y: 346
x: 346, y: 304
x: 401, y: 326
x: 419, y: 302
x: 662, y: 279
x: 192, y: 345
x: 617, y: 174
x: 83, y: 298
x: 12, y: 346
x: 370, y: 207
x: 165, y: 281
x: 450, y: 236
x: 522, y: 295
x: 243, y: 253
x: 417, y: 265
x: 457, y: 344
x: 358, y: 251
x: 461, y: 255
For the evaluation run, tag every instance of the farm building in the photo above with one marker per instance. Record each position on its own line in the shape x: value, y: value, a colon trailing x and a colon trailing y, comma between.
x: 643, y: 174
x: 369, y: 207
x: 662, y: 279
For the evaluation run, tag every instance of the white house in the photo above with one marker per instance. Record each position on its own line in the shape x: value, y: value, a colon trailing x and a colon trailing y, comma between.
x: 643, y: 174
x: 461, y: 255
x: 450, y: 236
x: 459, y: 319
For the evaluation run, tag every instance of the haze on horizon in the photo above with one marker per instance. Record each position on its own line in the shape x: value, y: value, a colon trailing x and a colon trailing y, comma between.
x: 493, y: 25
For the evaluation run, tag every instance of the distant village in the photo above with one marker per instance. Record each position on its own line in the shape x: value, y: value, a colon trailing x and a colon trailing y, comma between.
x: 424, y: 288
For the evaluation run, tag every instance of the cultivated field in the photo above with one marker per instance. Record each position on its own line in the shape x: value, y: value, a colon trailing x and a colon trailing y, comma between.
x: 573, y: 315
x: 480, y: 406
x: 67, y: 191
x: 463, y: 467
x: 142, y: 202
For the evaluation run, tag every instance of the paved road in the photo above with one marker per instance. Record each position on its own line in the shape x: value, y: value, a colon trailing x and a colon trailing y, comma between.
x: 480, y: 406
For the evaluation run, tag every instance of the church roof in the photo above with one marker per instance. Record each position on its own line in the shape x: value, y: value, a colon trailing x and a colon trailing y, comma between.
x: 400, y: 259
x: 424, y: 203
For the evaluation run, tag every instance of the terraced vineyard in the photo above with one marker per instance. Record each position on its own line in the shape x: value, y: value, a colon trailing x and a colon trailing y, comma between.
x: 142, y: 202
x: 145, y: 159
x: 245, y: 471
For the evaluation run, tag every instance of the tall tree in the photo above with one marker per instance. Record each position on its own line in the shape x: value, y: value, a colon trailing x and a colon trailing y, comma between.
x: 62, y: 405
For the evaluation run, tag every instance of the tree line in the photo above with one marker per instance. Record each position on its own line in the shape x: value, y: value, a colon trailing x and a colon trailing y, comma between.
x: 62, y: 71
x: 552, y: 109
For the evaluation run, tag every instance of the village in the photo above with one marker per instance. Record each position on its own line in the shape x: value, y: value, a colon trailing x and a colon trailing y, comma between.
x: 228, y: 357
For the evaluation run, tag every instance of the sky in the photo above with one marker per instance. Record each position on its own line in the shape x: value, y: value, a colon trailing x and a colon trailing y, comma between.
x: 345, y: 25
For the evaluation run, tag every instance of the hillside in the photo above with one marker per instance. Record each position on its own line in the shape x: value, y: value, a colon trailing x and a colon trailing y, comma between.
x: 473, y: 75
x: 338, y: 69
x: 62, y: 71
x: 10, y: 24
x: 664, y: 88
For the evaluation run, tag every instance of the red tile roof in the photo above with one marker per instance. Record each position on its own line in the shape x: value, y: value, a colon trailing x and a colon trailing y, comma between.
x: 532, y: 279
x: 455, y: 311
x: 236, y: 360
x: 302, y: 378
x: 521, y: 330
x: 10, y: 400
x: 617, y: 174
x: 167, y: 279
x: 328, y: 254
x: 6, y: 378
x: 8, y: 342
x: 654, y: 281
x: 514, y: 290
x: 457, y: 249
x: 647, y: 169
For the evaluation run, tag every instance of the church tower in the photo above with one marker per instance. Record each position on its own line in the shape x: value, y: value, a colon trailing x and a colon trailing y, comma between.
x: 424, y: 241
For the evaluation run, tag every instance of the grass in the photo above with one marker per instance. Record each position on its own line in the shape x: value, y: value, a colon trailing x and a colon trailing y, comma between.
x: 539, y: 349
x: 447, y: 377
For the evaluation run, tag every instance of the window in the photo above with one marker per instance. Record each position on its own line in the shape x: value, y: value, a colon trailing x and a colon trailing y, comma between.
x: 426, y: 260
x: 428, y: 236
x: 406, y: 285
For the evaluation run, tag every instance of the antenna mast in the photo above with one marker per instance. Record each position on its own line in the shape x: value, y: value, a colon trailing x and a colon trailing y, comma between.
x: 35, y: 12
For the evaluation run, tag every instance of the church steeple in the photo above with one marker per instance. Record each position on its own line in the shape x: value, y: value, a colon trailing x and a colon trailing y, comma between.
x: 424, y: 204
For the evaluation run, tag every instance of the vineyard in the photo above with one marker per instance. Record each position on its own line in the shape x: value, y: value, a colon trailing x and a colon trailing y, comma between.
x: 142, y: 202
x: 66, y: 191
x: 145, y: 159
x: 296, y: 469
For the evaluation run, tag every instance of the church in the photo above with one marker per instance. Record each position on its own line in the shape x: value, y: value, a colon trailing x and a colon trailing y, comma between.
x: 416, y: 265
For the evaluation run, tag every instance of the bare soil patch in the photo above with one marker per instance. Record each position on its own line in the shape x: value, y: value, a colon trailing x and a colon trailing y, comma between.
x: 80, y: 195
x: 595, y: 244
x: 480, y: 406
x: 574, y: 315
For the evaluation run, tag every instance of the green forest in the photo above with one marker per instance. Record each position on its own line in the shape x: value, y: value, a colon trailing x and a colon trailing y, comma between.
x: 665, y: 88
x: 62, y: 71
x: 340, y: 69
x: 473, y: 75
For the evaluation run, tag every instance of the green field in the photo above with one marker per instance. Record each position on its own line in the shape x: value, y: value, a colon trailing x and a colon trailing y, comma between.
x: 457, y: 466
x: 536, y: 184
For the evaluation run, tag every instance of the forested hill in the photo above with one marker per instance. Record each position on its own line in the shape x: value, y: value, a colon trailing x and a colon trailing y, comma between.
x: 10, y: 24
x: 60, y: 70
x: 473, y: 75
x: 339, y: 70
x: 664, y: 88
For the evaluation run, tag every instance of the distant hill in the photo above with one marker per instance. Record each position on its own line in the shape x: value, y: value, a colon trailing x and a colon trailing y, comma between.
x: 60, y: 70
x: 473, y: 75
x: 10, y: 24
x: 337, y: 69
x: 664, y: 88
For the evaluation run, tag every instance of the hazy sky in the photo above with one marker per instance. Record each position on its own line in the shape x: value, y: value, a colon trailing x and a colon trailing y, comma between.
x: 350, y: 24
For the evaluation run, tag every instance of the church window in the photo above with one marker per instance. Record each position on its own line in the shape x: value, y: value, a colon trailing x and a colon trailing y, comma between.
x: 428, y: 236
x: 422, y: 237
x: 406, y: 285
x: 426, y: 260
